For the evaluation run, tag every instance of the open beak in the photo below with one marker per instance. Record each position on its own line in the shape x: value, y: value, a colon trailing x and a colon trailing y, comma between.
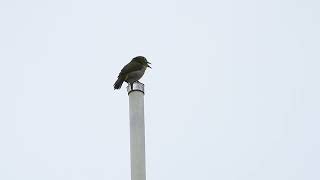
x: 148, y: 65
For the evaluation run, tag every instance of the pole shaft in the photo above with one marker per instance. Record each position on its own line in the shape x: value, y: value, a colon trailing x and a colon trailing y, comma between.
x: 137, y: 133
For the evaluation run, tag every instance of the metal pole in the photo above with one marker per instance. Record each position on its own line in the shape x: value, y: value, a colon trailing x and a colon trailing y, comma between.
x: 137, y: 132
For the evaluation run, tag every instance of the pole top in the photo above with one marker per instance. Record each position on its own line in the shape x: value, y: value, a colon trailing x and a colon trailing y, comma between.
x: 136, y: 86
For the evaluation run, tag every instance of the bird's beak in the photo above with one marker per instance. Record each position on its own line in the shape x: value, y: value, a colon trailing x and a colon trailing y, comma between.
x: 148, y: 65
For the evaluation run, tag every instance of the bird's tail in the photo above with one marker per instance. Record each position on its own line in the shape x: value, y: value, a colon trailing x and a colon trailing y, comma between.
x: 118, y: 83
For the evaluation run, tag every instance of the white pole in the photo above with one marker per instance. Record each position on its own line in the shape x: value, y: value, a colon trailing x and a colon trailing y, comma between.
x: 137, y: 132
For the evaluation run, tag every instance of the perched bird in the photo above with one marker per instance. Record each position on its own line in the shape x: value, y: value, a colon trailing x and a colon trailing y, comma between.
x: 132, y: 72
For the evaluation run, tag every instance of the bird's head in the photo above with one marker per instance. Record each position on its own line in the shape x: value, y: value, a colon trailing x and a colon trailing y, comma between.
x: 142, y: 60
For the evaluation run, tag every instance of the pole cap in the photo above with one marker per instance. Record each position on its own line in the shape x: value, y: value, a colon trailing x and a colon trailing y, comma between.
x: 136, y: 86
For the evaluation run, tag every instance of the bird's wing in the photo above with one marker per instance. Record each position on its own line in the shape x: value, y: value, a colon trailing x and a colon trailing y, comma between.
x: 130, y: 67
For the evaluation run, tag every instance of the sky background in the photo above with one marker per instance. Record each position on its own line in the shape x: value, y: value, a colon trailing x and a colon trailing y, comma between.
x: 233, y: 93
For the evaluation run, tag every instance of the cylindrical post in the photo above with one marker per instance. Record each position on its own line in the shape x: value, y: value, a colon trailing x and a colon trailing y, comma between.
x: 137, y: 132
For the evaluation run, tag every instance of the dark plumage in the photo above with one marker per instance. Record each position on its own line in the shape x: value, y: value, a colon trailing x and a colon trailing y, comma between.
x: 132, y: 72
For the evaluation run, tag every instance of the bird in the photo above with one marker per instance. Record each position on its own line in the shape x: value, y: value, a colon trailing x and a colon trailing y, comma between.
x: 132, y: 72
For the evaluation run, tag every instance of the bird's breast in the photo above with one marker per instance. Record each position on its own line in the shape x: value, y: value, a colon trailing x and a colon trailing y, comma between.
x: 134, y: 76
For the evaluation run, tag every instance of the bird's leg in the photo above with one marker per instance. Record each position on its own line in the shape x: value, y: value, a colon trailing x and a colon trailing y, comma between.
x: 131, y: 84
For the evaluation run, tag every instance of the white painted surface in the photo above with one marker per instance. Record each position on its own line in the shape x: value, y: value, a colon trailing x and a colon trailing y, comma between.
x: 137, y: 135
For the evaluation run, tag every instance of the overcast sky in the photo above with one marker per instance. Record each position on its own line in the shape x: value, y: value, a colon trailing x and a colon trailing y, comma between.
x: 234, y: 91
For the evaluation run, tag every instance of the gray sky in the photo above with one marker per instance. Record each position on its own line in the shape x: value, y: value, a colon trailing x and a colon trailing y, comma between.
x: 233, y: 93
